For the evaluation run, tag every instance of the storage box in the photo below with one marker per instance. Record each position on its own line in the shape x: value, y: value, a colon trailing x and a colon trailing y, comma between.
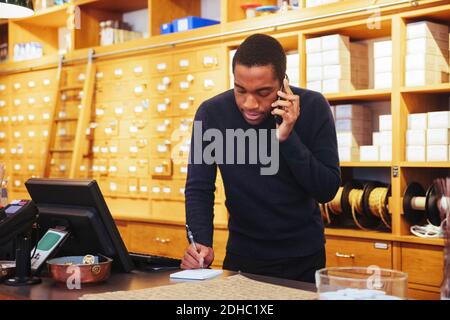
x: 438, y: 120
x: 350, y: 139
x: 430, y: 62
x: 336, y: 57
x: 313, y: 45
x: 417, y: 121
x: 314, y: 73
x: 352, y: 111
x: 382, y: 49
x: 369, y: 153
x: 314, y: 60
x: 428, y: 46
x: 166, y: 28
x: 383, y: 64
x: 438, y: 136
x: 424, y: 77
x: 347, y: 154
x: 385, y: 138
x: 376, y: 138
x: 335, y: 42
x: 336, y: 85
x: 336, y: 72
x: 427, y: 29
x: 437, y: 153
x: 314, y: 86
x: 191, y: 22
x: 386, y: 153
x: 415, y: 153
x: 383, y: 80
x: 416, y: 137
x: 385, y: 122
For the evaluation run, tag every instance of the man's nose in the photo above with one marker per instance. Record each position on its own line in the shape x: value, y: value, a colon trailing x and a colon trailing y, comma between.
x: 250, y: 103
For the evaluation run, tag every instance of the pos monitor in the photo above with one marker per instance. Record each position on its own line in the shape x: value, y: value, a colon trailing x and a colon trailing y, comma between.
x: 79, y: 207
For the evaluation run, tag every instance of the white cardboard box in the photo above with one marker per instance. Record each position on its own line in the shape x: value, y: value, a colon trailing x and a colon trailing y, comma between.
x: 383, y: 64
x: 417, y: 121
x: 386, y: 153
x: 385, y: 138
x: 428, y: 46
x: 348, y: 154
x: 350, y: 139
x: 352, y: 111
x: 382, y: 49
x: 438, y: 136
x: 335, y: 42
x: 426, y: 29
x: 385, y: 122
x: 430, y: 62
x: 313, y: 45
x: 314, y: 59
x: 416, y: 137
x: 336, y: 85
x: 353, y: 125
x: 369, y: 153
x: 336, y: 72
x: 415, y: 78
x: 415, y: 153
x: 314, y: 73
x: 336, y: 57
x: 383, y: 80
x: 439, y: 120
x: 314, y: 86
x: 437, y: 153
x: 376, y: 138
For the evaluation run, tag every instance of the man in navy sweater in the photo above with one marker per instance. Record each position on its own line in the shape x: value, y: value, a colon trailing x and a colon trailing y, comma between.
x: 275, y: 225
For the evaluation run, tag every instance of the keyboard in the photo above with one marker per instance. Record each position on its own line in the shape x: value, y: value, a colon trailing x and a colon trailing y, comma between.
x: 146, y: 262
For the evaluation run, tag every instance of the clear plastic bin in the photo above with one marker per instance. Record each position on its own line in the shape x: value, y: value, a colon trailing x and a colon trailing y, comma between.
x: 360, y: 283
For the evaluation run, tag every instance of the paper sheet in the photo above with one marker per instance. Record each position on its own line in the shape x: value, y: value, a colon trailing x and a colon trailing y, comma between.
x: 236, y: 287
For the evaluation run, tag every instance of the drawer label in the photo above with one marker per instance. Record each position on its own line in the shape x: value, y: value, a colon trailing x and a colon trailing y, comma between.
x: 381, y: 245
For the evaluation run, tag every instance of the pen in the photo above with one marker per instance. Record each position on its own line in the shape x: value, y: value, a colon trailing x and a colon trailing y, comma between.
x: 191, y: 238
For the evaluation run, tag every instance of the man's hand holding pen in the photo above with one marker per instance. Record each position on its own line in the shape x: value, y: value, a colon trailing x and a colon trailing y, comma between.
x: 196, y: 256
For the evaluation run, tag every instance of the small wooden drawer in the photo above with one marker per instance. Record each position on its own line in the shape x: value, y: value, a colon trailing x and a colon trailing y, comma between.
x: 161, y: 64
x: 345, y: 252
x: 163, y: 240
x: 424, y: 264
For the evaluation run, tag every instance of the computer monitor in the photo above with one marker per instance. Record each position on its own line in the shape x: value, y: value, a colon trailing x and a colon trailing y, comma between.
x: 79, y: 206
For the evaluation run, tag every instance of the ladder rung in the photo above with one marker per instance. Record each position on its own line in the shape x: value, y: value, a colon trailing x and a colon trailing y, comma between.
x: 61, y: 150
x: 65, y: 119
x: 69, y: 88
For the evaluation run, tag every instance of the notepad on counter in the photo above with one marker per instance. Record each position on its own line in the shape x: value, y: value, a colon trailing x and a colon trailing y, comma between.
x: 196, y: 274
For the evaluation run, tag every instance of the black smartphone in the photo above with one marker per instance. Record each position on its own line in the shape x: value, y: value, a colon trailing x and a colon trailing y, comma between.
x: 279, y: 119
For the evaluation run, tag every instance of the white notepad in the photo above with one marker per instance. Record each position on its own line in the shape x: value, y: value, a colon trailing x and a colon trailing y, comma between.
x: 196, y: 274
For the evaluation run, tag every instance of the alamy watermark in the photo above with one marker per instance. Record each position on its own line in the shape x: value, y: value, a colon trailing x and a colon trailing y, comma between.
x: 236, y: 147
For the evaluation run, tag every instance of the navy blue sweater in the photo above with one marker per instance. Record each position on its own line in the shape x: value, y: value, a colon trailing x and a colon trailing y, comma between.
x: 270, y: 216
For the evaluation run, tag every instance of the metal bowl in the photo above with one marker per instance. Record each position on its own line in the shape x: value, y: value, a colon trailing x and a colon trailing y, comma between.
x: 7, y: 269
x: 64, y: 267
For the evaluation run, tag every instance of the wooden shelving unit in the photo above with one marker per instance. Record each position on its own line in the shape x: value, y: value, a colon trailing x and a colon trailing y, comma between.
x: 135, y: 212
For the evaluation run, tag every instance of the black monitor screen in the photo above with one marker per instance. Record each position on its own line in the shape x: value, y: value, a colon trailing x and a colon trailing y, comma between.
x: 79, y: 206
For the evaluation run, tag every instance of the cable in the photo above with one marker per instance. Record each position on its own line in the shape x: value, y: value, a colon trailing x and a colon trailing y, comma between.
x: 428, y: 231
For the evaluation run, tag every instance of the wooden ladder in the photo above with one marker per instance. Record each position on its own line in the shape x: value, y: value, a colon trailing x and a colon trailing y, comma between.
x: 80, y: 140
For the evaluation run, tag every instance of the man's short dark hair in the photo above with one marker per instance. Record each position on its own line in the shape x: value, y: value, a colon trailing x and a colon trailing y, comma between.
x: 262, y: 50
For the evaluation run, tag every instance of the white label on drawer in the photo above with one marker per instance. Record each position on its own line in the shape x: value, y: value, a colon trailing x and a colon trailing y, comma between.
x: 62, y: 114
x: 13, y: 150
x: 183, y: 63
x: 381, y: 245
x: 112, y: 186
x: 95, y: 149
x: 108, y: 130
x: 46, y: 99
x: 2, y: 103
x: 62, y: 132
x: 80, y: 95
x: 138, y: 90
x: 161, y: 128
x: 159, y: 169
x: 13, y: 118
x: 184, y: 105
x: 166, y: 81
x: 161, y: 87
x: 62, y: 167
x: 102, y: 168
x: 184, y: 148
x: 132, y: 188
x: 31, y: 167
x: 184, y: 85
x: 138, y: 70
x: 17, y: 183
x: 2, y: 135
x: 17, y: 86
x: 167, y: 190
x: 118, y: 110
x: 17, y: 102
x: 17, y: 167
x: 31, y: 84
x: 104, y: 149
x: 45, y: 133
x: 31, y: 117
x: 112, y: 169
x: 2, y: 150
x: 133, y: 149
x: 31, y: 100
x: 63, y: 97
x: 144, y: 189
x: 161, y: 66
x: 2, y: 87
x: 118, y: 72
x: 162, y: 148
x: 31, y: 134
x: 17, y: 134
x: 182, y: 191
x: 156, y: 190
x: 82, y: 168
x: 138, y: 109
x: 161, y: 107
x: 208, y: 83
x: 132, y: 169
x: 46, y: 82
x: 113, y: 149
x: 81, y: 77
x: 95, y: 168
x: 20, y: 118
x: 5, y: 119
x: 46, y: 116
x: 99, y: 75
x: 184, y: 127
x: 133, y: 129
x: 99, y: 112
x: 183, y: 169
x: 208, y: 61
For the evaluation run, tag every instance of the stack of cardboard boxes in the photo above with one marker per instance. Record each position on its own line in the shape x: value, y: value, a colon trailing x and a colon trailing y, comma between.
x: 381, y: 148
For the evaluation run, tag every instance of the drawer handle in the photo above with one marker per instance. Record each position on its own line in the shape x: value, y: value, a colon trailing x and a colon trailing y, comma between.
x: 347, y: 256
x: 163, y: 241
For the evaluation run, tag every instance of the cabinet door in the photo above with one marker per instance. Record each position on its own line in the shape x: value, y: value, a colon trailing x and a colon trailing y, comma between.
x: 424, y: 264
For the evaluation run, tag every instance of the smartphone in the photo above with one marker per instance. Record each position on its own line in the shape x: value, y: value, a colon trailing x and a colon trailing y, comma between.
x: 279, y: 119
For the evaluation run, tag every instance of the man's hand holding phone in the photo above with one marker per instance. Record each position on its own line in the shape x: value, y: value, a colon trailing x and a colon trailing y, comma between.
x: 288, y: 108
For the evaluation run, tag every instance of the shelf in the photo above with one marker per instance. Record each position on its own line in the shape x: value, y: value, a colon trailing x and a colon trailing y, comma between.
x: 54, y: 17
x: 438, y: 88
x: 427, y: 241
x: 425, y: 164
x: 354, y: 233
x: 360, y: 95
x: 379, y: 164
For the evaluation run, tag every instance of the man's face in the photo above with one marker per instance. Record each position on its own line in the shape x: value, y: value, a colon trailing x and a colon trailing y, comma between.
x: 255, y: 89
